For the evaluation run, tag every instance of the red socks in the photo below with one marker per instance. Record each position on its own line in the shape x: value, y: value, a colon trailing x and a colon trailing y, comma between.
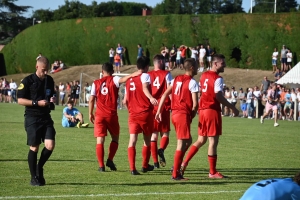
x: 131, y: 157
x: 100, y: 154
x: 177, y: 162
x: 164, y: 142
x: 190, y: 155
x: 112, y: 150
x: 146, y: 152
x: 154, y: 151
x: 212, y: 164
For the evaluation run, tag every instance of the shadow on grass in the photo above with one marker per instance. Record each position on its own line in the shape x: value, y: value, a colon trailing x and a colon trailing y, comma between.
x: 25, y: 160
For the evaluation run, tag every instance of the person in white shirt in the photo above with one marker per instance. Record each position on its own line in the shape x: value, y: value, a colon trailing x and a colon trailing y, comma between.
x: 202, y: 53
x: 289, y: 57
x: 298, y: 98
x: 274, y: 60
x: 111, y: 55
x: 194, y: 53
x: 62, y: 93
x: 234, y: 96
x: 13, y: 87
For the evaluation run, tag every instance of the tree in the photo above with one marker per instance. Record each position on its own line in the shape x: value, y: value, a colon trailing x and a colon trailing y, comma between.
x: 267, y: 6
x: 11, y: 21
x: 232, y: 6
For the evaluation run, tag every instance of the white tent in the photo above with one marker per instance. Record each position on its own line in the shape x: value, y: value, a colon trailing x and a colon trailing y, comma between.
x: 292, y: 78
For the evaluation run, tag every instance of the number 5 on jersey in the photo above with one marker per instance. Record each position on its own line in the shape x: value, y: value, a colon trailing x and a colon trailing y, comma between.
x: 205, y: 85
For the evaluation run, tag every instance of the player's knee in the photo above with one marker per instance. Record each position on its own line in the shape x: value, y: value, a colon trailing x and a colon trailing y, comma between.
x: 34, y: 148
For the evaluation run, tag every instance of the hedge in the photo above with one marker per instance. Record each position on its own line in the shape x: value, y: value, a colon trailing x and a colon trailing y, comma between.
x: 247, y: 40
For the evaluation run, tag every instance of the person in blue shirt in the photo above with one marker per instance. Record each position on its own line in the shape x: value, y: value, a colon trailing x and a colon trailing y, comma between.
x: 72, y: 117
x: 274, y: 189
x: 140, y: 51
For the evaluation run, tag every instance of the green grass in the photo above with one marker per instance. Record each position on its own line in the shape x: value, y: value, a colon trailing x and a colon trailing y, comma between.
x: 248, y: 152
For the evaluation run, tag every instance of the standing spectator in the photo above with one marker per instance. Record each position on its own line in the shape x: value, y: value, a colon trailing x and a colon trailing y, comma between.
x: 283, y: 58
x: 161, y: 80
x: 77, y: 85
x: 104, y: 93
x: 38, y: 122
x: 140, y: 103
x: 294, y: 98
x: 227, y: 95
x: 202, y: 53
x: 183, y: 50
x: 1, y: 90
x: 209, y: 53
x: 111, y: 53
x: 194, y: 53
x: 298, y: 98
x: 271, y: 104
x: 250, y: 104
x: 184, y: 90
x: 282, y: 101
x: 274, y: 59
x: 243, y: 105
x: 265, y: 85
x: 165, y: 54
x: 234, y: 96
x: 140, y: 51
x: 257, y: 101
x: 118, y: 61
x: 210, y: 120
x: 62, y: 93
x: 178, y: 60
x: 287, y: 110
x: 173, y: 57
x: 289, y: 56
x: 87, y: 92
x: 13, y: 87
x: 68, y: 90
x: 120, y: 50
x: 4, y: 89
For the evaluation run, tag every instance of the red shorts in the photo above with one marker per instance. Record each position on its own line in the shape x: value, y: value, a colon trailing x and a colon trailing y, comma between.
x: 141, y: 124
x: 182, y: 125
x: 210, y: 123
x: 102, y: 124
x: 164, y: 125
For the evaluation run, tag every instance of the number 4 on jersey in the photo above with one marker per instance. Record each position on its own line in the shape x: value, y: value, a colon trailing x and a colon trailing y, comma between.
x: 156, y: 83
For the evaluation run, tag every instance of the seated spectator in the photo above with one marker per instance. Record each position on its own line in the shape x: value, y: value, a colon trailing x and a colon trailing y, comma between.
x: 287, y: 110
x: 54, y: 66
x: 72, y: 117
x: 278, y: 74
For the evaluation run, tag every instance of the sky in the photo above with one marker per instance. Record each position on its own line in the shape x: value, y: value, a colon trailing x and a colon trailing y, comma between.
x: 53, y: 4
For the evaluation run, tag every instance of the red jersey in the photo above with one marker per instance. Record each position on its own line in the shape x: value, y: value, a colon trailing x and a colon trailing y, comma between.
x: 181, y: 95
x: 159, y: 86
x: 106, y: 93
x: 207, y: 88
x: 138, y: 102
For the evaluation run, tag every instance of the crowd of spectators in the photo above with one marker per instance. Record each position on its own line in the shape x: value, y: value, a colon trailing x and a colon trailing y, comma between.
x: 8, y: 91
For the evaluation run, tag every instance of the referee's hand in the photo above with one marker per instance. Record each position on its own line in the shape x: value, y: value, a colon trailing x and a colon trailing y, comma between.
x: 43, y: 103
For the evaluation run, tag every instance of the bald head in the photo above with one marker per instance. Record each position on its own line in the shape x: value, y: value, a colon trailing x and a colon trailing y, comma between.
x: 43, y: 60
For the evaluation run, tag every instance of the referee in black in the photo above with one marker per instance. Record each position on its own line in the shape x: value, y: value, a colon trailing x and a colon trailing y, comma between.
x: 36, y: 93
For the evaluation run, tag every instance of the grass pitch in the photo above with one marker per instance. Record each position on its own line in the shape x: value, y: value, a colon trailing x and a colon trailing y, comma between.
x: 248, y: 152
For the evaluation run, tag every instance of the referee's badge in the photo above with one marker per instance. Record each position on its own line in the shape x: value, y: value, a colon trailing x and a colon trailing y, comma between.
x: 21, y: 86
x: 48, y: 92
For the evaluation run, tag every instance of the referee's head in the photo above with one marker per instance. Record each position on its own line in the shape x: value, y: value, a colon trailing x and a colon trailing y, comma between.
x: 42, y: 65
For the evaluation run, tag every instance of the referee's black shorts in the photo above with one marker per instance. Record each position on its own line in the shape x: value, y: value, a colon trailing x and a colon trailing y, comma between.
x: 38, y: 129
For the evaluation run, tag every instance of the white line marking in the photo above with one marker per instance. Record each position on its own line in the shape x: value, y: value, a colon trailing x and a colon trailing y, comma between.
x: 117, y: 195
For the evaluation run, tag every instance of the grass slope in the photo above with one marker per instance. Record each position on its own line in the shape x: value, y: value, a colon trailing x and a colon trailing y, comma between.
x: 248, y: 152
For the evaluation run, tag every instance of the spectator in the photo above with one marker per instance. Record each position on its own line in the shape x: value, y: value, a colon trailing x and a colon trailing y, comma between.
x: 278, y: 74
x: 243, y: 104
x: 140, y: 51
x: 118, y: 61
x: 287, y: 110
x: 298, y: 98
x: 62, y: 93
x: 227, y: 95
x: 194, y: 53
x: 283, y: 58
x: 294, y: 98
x: 234, y: 96
x: 178, y: 58
x: 183, y: 49
x: 77, y: 85
x: 265, y: 85
x: 40, y: 55
x: 54, y: 66
x: 274, y: 59
x: 165, y: 54
x: 72, y: 117
x: 111, y: 55
x: 209, y: 53
x: 257, y: 96
x: 289, y: 56
x: 282, y: 101
x: 68, y: 90
x: 202, y: 53
x: 13, y: 87
x: 249, y: 102
x: 120, y: 50
x: 173, y: 57
x: 87, y: 91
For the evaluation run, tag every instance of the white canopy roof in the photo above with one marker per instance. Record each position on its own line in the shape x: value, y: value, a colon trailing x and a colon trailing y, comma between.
x: 292, y: 77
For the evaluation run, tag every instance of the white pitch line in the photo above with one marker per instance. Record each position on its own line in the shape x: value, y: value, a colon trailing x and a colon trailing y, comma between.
x: 117, y: 195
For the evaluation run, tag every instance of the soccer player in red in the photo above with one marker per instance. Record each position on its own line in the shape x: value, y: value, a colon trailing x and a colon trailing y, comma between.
x: 140, y: 103
x: 161, y: 80
x: 210, y: 121
x: 184, y: 90
x: 105, y: 93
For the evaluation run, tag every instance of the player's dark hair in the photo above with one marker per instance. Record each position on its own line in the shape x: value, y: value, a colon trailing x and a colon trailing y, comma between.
x: 142, y: 62
x: 217, y: 57
x: 188, y: 63
x: 159, y: 59
x: 108, y: 67
x: 297, y: 178
x: 70, y: 102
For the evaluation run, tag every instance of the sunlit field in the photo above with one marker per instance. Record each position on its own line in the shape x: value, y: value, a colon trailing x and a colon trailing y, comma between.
x: 248, y: 152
